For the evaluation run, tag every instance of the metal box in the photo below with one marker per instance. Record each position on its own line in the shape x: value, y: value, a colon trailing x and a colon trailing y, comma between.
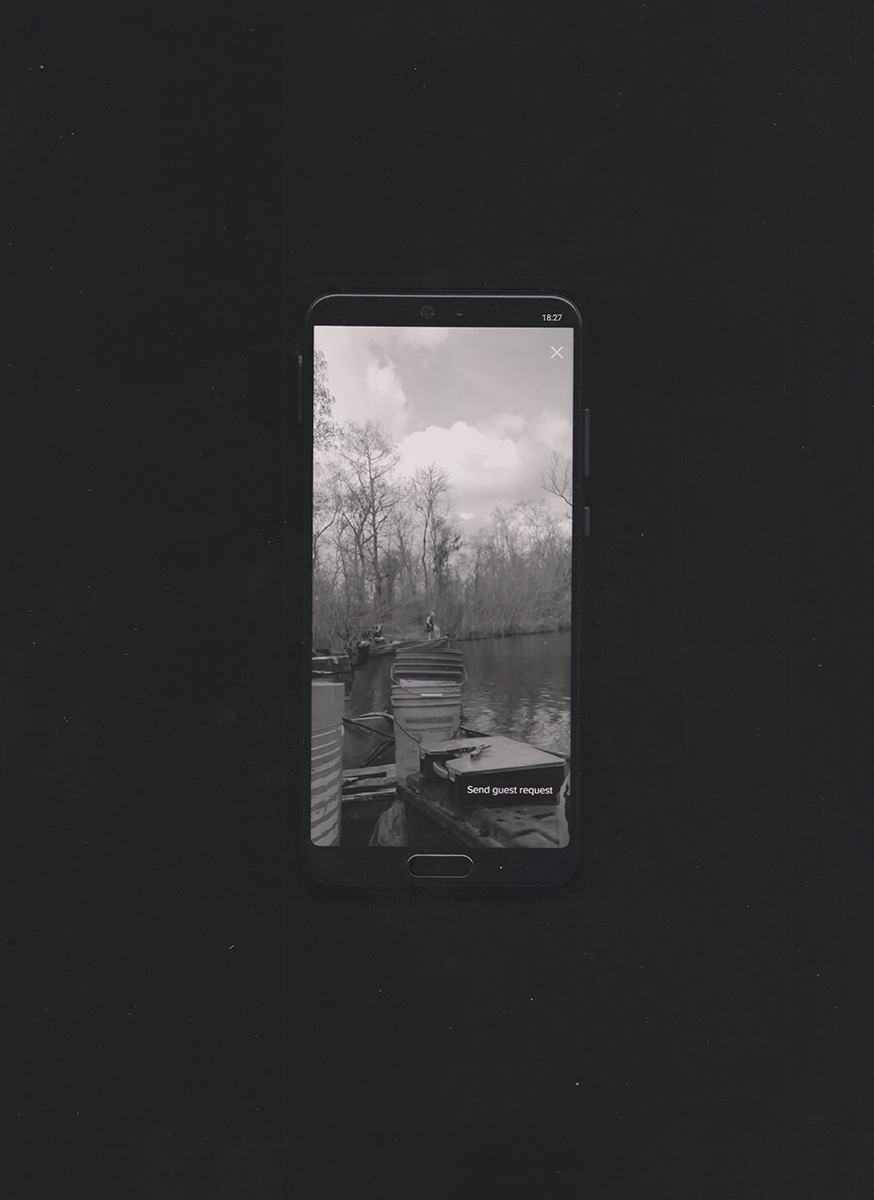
x: 492, y: 771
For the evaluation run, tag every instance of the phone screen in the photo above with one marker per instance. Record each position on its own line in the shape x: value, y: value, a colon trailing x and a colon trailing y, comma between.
x: 442, y: 586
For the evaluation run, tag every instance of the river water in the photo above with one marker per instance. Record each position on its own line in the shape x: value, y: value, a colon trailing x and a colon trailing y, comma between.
x: 516, y: 686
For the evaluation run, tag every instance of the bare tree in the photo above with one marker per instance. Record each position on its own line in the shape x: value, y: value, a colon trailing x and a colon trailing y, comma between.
x: 324, y: 426
x: 371, y: 494
x: 559, y: 478
x: 429, y: 489
x: 324, y: 437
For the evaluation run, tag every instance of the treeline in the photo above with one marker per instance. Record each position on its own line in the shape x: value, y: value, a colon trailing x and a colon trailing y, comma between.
x: 386, y: 552
x: 514, y: 577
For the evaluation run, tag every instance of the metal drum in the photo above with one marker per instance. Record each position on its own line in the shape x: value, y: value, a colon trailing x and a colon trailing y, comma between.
x: 327, y: 762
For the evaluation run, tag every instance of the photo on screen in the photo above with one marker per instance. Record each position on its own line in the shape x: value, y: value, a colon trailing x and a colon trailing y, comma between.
x: 442, y: 572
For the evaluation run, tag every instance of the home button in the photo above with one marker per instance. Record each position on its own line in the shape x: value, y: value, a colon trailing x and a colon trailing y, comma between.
x: 439, y: 866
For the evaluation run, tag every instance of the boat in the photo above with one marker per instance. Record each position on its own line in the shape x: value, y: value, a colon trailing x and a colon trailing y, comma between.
x: 325, y: 663
x: 333, y: 667
x: 379, y: 649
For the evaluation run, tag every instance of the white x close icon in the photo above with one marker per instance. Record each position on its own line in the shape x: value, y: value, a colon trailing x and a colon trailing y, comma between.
x: 557, y: 353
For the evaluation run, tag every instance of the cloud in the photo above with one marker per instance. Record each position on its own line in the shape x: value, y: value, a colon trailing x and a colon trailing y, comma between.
x: 503, y: 424
x: 481, y: 467
x: 497, y: 462
x: 553, y: 431
x: 386, y: 400
x: 426, y: 335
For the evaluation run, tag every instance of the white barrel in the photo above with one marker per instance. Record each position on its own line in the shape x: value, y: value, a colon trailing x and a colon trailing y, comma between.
x: 327, y: 762
x: 424, y: 710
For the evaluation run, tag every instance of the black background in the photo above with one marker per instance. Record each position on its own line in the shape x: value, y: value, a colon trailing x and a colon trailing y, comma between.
x: 691, y: 1016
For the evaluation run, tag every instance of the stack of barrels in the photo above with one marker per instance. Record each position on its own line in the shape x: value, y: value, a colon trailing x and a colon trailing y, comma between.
x: 426, y: 701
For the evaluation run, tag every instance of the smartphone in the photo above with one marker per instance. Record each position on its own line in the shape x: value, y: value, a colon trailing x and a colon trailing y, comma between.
x: 446, y: 451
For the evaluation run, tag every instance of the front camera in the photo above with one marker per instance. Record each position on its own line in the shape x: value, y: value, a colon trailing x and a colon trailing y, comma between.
x: 427, y: 312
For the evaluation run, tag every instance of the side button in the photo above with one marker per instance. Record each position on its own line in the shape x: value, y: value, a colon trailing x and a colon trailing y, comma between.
x: 585, y: 522
x: 439, y: 866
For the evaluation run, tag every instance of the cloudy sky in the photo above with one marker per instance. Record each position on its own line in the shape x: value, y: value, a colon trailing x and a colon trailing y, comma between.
x: 489, y: 406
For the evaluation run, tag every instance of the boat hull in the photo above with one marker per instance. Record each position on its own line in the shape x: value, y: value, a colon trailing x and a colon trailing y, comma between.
x: 392, y: 647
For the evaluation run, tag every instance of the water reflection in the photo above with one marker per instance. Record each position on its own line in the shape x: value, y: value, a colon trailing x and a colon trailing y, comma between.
x: 518, y: 686
x: 521, y: 687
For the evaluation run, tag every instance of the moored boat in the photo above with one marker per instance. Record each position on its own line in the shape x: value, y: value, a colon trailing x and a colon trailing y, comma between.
x: 325, y: 663
x: 378, y: 649
x: 333, y: 667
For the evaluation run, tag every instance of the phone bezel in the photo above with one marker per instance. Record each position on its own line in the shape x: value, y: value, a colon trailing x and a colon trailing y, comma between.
x: 386, y: 866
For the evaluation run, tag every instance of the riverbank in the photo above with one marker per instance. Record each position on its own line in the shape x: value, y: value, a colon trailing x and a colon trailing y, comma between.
x: 562, y: 627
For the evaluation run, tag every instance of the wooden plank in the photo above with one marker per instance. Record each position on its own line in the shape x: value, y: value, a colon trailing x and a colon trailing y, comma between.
x: 463, y: 829
x: 373, y: 794
x: 369, y: 783
x: 389, y: 771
